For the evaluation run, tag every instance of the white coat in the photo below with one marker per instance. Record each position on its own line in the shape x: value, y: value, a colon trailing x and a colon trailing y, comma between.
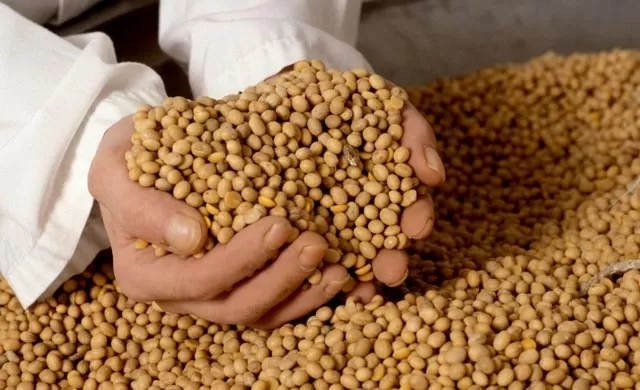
x: 58, y: 96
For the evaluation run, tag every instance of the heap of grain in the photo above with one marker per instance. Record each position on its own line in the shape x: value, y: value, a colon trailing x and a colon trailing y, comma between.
x: 539, y: 158
x: 318, y: 146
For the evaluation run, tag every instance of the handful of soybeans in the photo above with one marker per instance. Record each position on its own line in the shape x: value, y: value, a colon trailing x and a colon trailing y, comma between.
x: 320, y: 147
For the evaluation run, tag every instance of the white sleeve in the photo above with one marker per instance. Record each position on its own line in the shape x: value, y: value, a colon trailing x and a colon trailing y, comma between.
x: 57, y: 97
x: 227, y: 45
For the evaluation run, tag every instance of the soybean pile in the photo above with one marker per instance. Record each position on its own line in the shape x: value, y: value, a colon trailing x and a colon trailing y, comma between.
x: 319, y: 146
x: 541, y: 159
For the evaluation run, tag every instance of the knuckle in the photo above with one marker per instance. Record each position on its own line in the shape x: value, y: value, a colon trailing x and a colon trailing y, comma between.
x: 189, y: 289
x: 246, y: 316
x: 198, y: 292
x: 202, y: 286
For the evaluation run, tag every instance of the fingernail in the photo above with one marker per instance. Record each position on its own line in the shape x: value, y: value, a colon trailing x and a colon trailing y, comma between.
x: 399, y: 282
x: 334, y: 287
x: 276, y: 235
x: 311, y: 256
x: 434, y: 161
x: 184, y: 234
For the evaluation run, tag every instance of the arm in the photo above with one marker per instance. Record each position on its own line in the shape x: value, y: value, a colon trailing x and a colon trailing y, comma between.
x: 57, y: 97
x: 227, y: 45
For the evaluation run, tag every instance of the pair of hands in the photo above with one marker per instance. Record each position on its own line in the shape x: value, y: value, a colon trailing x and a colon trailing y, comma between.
x: 239, y: 282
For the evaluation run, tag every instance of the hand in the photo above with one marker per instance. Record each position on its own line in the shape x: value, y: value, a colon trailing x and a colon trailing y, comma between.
x: 391, y: 266
x: 208, y: 287
x: 236, y: 283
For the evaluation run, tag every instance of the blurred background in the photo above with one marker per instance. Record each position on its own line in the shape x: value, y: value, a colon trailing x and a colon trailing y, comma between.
x: 414, y: 41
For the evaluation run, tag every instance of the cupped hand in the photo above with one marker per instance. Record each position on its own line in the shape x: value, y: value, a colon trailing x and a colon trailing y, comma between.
x: 391, y: 266
x: 248, y: 281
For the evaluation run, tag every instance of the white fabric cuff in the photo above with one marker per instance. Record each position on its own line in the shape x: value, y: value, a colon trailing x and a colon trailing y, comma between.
x: 31, y: 278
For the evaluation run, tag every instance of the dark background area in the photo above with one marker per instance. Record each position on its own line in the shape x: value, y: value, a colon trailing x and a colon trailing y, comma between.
x: 414, y: 41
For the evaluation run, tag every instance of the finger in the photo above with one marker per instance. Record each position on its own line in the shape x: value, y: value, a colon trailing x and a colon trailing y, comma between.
x: 242, y: 309
x: 146, y: 277
x: 417, y: 219
x: 253, y: 298
x: 419, y: 138
x: 305, y: 301
x: 145, y: 213
x: 364, y: 292
x: 391, y: 267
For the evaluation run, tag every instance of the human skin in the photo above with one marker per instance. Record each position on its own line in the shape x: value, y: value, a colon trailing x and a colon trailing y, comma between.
x: 236, y: 283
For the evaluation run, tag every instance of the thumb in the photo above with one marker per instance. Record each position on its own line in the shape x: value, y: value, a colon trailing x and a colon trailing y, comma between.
x: 138, y: 212
x: 157, y: 217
